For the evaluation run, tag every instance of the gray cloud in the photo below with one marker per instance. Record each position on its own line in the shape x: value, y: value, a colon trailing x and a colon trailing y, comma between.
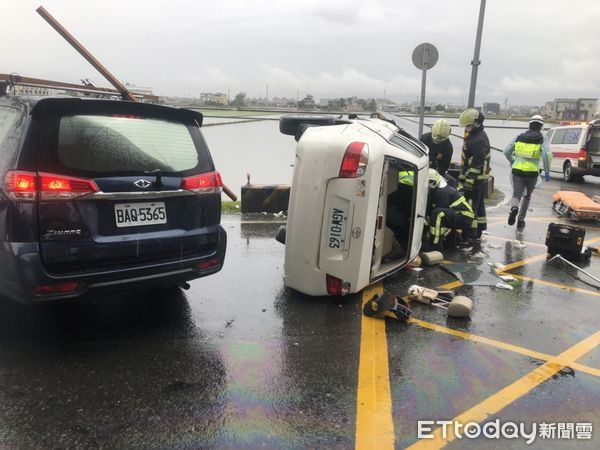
x: 531, y: 51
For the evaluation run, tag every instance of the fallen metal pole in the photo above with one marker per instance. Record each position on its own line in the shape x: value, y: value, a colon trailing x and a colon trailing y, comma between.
x: 86, y: 54
x: 574, y: 266
x: 99, y: 67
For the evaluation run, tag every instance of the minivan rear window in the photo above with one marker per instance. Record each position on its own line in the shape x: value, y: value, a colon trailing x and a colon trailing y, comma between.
x: 124, y: 143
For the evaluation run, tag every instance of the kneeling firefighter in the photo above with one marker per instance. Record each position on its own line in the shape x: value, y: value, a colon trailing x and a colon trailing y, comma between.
x: 447, y: 209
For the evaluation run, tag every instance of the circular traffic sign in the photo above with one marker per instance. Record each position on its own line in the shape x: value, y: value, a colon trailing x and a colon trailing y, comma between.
x: 424, y: 56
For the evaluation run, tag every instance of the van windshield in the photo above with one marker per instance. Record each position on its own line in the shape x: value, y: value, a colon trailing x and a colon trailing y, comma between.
x: 124, y: 143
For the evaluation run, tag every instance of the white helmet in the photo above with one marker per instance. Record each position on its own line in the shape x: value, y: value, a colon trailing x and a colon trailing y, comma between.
x: 436, y: 180
x: 537, y: 118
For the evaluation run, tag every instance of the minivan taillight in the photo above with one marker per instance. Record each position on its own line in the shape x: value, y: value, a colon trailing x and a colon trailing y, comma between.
x: 209, y: 182
x: 335, y: 286
x: 60, y: 187
x: 20, y: 185
x: 24, y: 186
x: 355, y: 160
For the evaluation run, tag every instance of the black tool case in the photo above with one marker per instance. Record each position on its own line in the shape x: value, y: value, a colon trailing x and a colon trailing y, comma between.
x: 566, y: 240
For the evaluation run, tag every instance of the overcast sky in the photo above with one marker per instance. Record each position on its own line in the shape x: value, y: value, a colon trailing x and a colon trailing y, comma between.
x: 531, y: 52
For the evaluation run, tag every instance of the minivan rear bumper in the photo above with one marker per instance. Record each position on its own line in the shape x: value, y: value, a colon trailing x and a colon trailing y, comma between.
x: 27, y: 272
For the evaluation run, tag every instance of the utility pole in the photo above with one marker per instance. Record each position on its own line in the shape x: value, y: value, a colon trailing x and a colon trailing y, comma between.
x: 476, y: 62
x: 506, y: 106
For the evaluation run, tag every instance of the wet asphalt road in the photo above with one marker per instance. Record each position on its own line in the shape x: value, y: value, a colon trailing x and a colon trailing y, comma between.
x: 238, y: 361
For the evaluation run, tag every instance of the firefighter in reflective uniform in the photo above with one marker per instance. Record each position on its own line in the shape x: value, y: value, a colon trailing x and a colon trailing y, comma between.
x: 447, y: 209
x: 524, y: 153
x: 475, y: 164
x: 440, y: 147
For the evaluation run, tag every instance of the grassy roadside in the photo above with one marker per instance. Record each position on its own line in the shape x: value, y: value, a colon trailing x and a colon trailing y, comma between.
x: 229, y: 207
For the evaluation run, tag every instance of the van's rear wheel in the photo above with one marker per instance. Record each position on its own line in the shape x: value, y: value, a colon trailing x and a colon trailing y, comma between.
x: 569, y: 174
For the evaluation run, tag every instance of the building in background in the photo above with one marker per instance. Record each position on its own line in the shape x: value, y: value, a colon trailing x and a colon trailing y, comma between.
x: 208, y: 98
x: 491, y: 108
x: 571, y: 108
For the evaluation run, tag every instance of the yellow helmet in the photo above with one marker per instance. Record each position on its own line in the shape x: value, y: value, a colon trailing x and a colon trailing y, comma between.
x: 440, y: 130
x: 470, y: 117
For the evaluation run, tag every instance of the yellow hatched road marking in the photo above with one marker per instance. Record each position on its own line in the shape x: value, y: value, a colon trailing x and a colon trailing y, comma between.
x: 511, y: 393
x: 558, y: 285
x: 504, y: 346
x: 374, y: 424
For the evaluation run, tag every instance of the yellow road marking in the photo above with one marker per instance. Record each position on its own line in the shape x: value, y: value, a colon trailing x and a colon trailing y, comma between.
x: 503, y: 345
x: 451, y: 285
x: 558, y: 285
x: 523, y: 262
x: 535, y: 244
x: 511, y: 393
x: 374, y: 424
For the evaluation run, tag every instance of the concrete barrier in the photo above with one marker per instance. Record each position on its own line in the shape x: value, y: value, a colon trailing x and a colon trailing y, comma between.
x: 257, y: 198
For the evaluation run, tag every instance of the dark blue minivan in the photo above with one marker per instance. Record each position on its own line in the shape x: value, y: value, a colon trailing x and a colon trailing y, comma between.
x: 104, y: 196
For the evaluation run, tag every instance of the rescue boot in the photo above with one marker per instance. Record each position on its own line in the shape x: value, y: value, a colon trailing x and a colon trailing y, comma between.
x: 512, y: 215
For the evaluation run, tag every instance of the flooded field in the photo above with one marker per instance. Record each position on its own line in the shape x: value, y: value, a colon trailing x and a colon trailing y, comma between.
x: 259, y: 149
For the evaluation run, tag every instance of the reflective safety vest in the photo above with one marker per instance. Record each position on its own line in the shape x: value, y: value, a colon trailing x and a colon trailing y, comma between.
x: 406, y: 177
x: 531, y: 151
x: 528, y: 151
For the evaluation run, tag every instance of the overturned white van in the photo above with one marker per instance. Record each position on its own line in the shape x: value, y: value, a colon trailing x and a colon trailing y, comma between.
x: 357, y: 203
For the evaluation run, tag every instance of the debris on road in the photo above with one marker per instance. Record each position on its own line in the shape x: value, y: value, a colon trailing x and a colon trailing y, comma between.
x: 505, y: 286
x: 560, y: 258
x: 431, y: 258
x: 473, y: 273
x: 456, y: 306
x: 379, y: 305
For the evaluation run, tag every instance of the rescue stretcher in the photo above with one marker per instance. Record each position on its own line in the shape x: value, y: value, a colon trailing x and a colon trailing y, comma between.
x: 575, y: 206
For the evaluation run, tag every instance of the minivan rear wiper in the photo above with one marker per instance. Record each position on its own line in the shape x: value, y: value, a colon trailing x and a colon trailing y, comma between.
x: 158, y: 182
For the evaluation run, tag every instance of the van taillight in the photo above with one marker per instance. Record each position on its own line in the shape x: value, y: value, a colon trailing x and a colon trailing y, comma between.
x: 335, y: 286
x: 25, y: 186
x: 209, y: 182
x: 355, y: 160
x: 583, y: 155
